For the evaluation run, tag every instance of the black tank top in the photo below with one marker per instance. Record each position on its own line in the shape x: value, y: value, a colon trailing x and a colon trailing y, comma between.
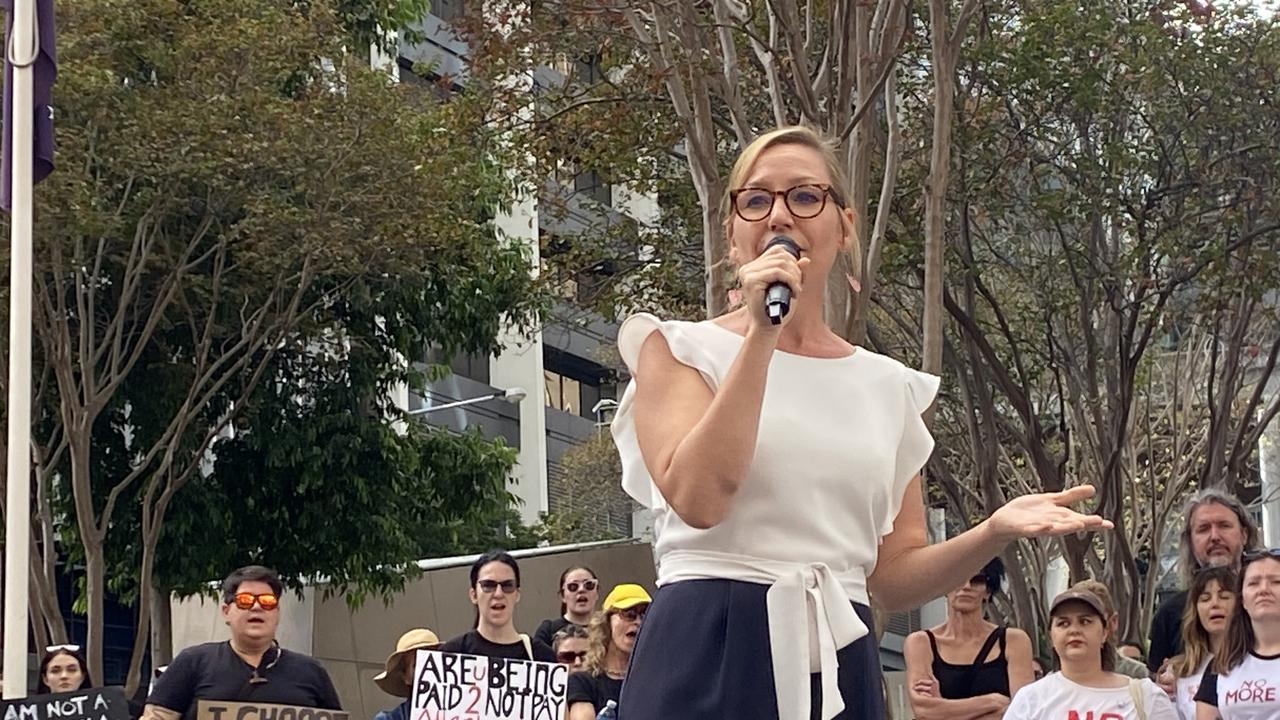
x: 957, y: 682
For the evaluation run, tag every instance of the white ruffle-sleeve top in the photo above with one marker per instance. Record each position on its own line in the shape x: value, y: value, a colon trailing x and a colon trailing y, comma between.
x: 839, y: 440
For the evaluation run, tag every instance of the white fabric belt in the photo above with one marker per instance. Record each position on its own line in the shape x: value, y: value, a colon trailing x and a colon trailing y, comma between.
x: 810, y: 617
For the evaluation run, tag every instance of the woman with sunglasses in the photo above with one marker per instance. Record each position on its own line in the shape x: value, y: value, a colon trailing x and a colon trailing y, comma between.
x: 578, y: 595
x: 1210, y: 603
x: 495, y: 591
x: 782, y: 465
x: 967, y: 667
x: 1243, y: 681
x: 63, y: 669
x: 612, y: 637
x: 570, y: 646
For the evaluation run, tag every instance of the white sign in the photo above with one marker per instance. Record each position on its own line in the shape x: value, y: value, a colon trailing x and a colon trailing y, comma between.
x: 448, y: 686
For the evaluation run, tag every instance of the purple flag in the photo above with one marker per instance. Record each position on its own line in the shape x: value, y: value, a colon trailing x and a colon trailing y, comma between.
x: 46, y: 69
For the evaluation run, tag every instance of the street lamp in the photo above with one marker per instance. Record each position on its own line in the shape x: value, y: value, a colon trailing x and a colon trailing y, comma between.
x: 512, y: 395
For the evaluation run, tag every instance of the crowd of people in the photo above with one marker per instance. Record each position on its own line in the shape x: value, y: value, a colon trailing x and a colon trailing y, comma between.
x: 1225, y: 662
x: 782, y: 468
x: 1219, y: 657
x: 594, y: 643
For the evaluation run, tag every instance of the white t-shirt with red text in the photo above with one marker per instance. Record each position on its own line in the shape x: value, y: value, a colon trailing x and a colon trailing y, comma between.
x: 1185, y: 697
x: 1251, y: 691
x: 1056, y: 698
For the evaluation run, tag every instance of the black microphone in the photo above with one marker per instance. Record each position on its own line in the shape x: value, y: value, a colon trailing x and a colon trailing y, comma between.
x: 777, y: 299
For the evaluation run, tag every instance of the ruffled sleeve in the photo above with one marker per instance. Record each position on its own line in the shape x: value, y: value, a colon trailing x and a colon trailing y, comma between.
x: 916, y: 444
x: 636, y: 480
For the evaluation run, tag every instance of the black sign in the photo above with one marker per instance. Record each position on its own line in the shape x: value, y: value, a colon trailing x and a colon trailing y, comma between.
x: 90, y: 704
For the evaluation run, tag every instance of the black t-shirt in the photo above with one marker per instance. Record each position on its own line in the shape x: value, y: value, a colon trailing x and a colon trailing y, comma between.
x: 213, y: 671
x: 473, y: 643
x: 594, y: 689
x: 546, y: 632
x: 1166, y: 631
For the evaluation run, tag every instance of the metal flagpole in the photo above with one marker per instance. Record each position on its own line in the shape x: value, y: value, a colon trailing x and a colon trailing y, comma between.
x: 22, y: 52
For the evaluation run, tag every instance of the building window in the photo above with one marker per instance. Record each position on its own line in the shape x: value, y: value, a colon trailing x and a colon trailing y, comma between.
x: 590, y: 184
x: 470, y: 366
x: 586, y: 69
x: 563, y: 393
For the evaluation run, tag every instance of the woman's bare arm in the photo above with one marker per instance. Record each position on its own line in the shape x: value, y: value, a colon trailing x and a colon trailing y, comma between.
x: 698, y: 445
x: 906, y: 558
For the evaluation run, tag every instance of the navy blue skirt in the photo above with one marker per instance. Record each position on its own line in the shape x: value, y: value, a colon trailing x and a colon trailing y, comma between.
x: 703, y: 652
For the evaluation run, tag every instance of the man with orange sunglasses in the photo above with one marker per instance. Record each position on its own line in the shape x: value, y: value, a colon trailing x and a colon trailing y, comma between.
x: 251, y: 666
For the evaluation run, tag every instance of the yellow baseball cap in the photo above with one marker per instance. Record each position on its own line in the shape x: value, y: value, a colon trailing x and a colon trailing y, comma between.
x: 625, y: 596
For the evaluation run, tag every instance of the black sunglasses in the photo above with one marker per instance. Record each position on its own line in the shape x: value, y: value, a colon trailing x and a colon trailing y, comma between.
x: 508, y: 586
x: 568, y: 658
x: 633, y: 614
x: 1273, y: 553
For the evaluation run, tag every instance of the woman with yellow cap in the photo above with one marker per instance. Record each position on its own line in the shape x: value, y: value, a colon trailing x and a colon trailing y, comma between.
x: 396, y: 677
x: 611, y: 638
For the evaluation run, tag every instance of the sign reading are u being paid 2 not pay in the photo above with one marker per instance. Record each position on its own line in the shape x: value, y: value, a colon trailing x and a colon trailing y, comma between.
x: 448, y: 686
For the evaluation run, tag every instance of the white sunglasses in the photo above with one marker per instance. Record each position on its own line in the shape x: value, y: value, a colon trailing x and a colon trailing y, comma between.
x: 56, y: 648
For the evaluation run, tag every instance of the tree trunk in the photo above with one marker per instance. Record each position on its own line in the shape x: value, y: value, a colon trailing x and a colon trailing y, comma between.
x: 873, y: 247
x: 936, y: 189
x: 161, y: 627
x: 146, y: 594
x: 78, y: 426
x: 95, y: 589
x: 39, y: 626
x: 715, y: 248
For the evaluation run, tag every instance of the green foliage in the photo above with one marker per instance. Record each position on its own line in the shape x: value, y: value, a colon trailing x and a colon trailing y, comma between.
x: 593, y: 110
x: 275, y: 229
x: 371, y: 22
x: 594, y: 506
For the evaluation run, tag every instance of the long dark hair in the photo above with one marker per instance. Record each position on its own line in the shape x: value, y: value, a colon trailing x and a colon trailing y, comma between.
x: 1196, y: 644
x: 1240, y: 638
x: 492, y: 556
x: 42, y: 688
x: 560, y: 588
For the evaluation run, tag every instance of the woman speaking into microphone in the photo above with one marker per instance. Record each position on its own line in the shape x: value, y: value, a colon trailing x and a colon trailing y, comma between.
x: 782, y: 465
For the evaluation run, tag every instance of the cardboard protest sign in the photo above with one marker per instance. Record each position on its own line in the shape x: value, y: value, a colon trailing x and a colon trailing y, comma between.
x: 448, y: 686
x: 227, y: 710
x: 89, y: 704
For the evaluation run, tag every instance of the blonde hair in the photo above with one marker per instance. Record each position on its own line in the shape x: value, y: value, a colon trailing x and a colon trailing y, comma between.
x: 826, y: 148
x: 599, y: 640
